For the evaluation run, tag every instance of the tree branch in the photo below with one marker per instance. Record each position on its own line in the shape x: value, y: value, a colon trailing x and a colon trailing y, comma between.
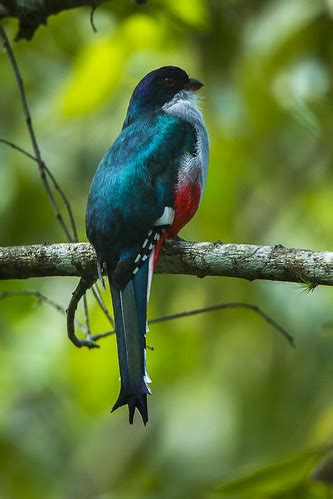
x: 250, y: 262
x: 32, y: 13
x: 78, y: 293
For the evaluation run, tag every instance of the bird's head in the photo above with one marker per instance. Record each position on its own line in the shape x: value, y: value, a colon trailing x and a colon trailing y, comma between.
x: 157, y: 89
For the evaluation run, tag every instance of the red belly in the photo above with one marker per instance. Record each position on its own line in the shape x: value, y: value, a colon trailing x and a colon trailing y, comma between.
x: 186, y: 204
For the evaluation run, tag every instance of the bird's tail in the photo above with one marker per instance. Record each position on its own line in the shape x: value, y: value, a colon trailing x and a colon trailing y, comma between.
x: 130, y: 306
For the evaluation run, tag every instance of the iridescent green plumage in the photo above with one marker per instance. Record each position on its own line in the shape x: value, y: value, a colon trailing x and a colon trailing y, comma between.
x: 134, y: 184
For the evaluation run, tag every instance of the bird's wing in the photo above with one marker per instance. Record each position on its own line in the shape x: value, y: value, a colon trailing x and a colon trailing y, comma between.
x: 131, y: 199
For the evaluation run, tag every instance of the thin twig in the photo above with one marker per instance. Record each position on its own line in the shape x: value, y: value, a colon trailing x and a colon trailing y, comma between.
x: 97, y: 294
x: 179, y: 315
x: 79, y: 292
x: 99, y: 336
x: 222, y: 306
x: 92, y: 21
x: 214, y: 308
x: 55, y: 183
x: 66, y: 203
x: 28, y: 120
x: 41, y: 298
x: 86, y: 316
x: 18, y: 148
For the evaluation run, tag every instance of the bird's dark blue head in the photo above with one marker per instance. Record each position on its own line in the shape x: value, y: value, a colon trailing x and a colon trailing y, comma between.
x: 156, y: 89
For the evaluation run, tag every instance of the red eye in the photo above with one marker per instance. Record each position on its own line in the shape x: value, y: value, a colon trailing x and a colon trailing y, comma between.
x: 169, y: 82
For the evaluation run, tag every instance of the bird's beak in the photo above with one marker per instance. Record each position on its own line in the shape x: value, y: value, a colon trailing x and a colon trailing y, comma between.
x: 193, y: 85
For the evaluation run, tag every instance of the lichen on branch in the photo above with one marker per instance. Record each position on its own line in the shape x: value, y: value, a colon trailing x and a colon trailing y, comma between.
x: 246, y: 261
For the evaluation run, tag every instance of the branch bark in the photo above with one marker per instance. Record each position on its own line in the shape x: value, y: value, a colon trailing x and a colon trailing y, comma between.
x: 250, y: 262
x: 32, y: 13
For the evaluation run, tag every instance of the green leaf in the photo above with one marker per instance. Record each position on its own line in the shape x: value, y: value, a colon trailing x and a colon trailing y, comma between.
x: 275, y: 478
x: 98, y: 69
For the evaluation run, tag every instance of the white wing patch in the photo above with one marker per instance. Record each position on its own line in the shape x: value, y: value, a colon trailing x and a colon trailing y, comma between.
x: 153, y: 236
x: 147, y: 247
x: 150, y: 276
x: 166, y: 218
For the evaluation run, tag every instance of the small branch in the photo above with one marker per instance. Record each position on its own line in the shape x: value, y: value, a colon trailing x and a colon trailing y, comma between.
x: 92, y: 21
x: 66, y: 203
x: 100, y: 336
x: 223, y: 306
x: 32, y: 13
x: 93, y: 338
x: 35, y: 146
x: 18, y: 148
x: 55, y: 185
x: 79, y: 292
x: 42, y: 299
x: 245, y: 261
x: 86, y: 317
x: 214, y: 308
x: 97, y: 294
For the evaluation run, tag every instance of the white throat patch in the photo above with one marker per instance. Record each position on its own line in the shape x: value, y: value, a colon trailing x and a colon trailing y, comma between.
x: 184, y: 106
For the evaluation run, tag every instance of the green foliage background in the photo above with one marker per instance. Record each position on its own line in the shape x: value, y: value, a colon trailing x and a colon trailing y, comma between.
x: 235, y: 412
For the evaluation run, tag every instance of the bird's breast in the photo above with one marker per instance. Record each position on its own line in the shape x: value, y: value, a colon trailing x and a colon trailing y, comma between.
x: 186, y: 202
x: 191, y: 181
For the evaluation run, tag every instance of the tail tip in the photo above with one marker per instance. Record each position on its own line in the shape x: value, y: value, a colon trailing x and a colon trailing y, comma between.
x: 134, y: 402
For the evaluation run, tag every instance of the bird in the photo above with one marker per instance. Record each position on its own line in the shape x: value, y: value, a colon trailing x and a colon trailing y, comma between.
x: 147, y: 186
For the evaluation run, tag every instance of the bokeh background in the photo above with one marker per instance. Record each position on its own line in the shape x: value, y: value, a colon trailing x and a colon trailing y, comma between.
x: 235, y: 411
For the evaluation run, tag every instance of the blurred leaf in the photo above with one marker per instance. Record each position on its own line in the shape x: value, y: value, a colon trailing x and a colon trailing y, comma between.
x: 279, y: 20
x: 141, y: 32
x: 275, y: 478
x: 324, y: 471
x: 195, y: 16
x: 96, y: 73
x: 98, y: 70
